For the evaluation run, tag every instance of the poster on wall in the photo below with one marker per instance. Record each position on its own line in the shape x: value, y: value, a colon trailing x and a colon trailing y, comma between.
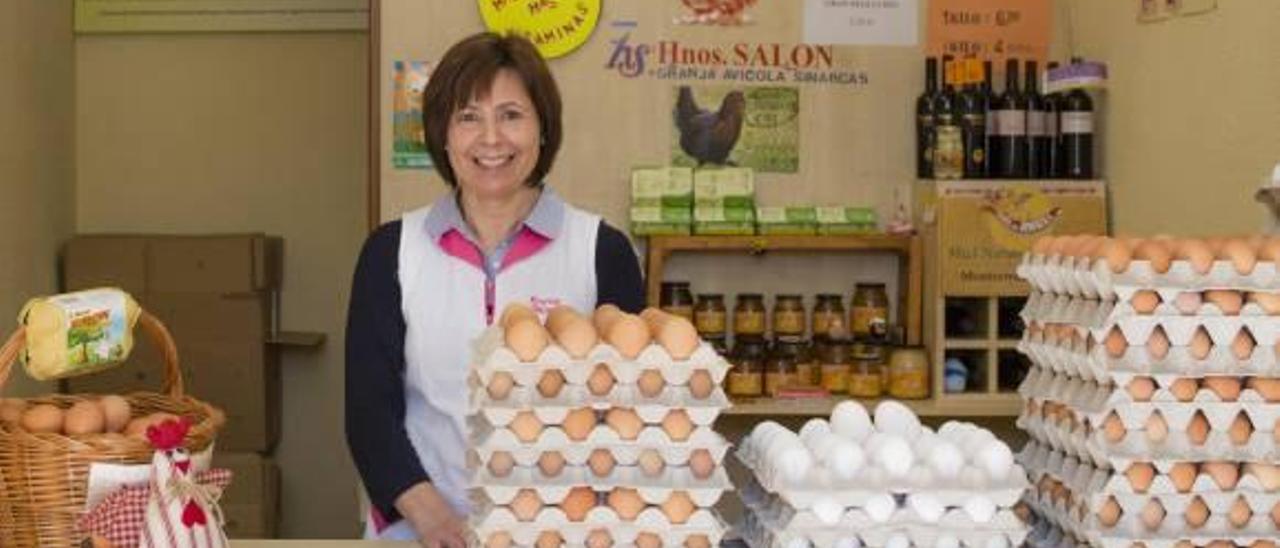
x: 990, y: 29
x: 556, y: 27
x: 756, y: 127
x: 125, y: 16
x: 409, y: 143
x: 727, y: 13
x: 891, y: 23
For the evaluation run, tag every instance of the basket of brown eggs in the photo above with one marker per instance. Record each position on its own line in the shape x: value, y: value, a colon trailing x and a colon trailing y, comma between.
x: 48, y: 444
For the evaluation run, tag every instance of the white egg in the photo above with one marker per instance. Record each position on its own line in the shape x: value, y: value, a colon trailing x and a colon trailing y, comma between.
x: 880, y: 507
x: 848, y: 542
x: 946, y: 459
x: 928, y: 507
x: 997, y: 541
x: 954, y: 430
x: 973, y: 477
x: 976, y: 441
x: 898, y: 540
x: 842, y: 457
x: 895, y: 456
x: 799, y: 543
x: 997, y: 459
x: 925, y: 443
x: 815, y: 427
x: 792, y: 461
x: 827, y: 510
x: 850, y: 419
x: 981, y: 509
x: 894, y: 417
x: 921, y: 476
x: 947, y: 540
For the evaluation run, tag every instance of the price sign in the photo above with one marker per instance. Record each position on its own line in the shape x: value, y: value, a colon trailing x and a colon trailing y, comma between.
x: 990, y: 29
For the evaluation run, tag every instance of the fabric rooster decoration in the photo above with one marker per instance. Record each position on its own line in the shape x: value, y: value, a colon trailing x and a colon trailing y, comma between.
x: 177, y: 508
x: 709, y: 136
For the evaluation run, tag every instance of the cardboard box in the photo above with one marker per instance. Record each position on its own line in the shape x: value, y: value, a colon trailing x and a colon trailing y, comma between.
x: 793, y: 220
x: 251, y: 504
x: 661, y: 229
x: 730, y: 187
x: 244, y: 382
x: 97, y: 261
x: 665, y: 187
x: 661, y: 215
x: 141, y: 263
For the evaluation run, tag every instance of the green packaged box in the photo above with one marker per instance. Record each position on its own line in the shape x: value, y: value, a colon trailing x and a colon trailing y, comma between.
x: 839, y: 215
x: 726, y: 228
x: 730, y: 187
x: 670, y: 187
x: 661, y: 215
x: 787, y: 221
x: 660, y: 229
x: 710, y: 214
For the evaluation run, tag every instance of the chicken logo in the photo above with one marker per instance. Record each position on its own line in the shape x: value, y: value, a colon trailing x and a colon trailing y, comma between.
x: 716, y: 12
x: 709, y: 136
x: 1017, y: 215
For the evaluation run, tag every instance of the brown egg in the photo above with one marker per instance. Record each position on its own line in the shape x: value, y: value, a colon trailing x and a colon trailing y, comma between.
x: 1269, y: 249
x: 679, y: 337
x: 1140, y: 475
x: 551, y: 382
x: 551, y: 463
x: 651, y: 462
x: 11, y: 410
x: 697, y: 541
x: 501, y: 463
x: 1228, y: 301
x: 1200, y: 344
x: 701, y: 385
x: 1241, y: 255
x: 1269, y: 389
x: 1220, y: 544
x: 1198, y: 429
x: 1240, y: 513
x: 1242, y: 346
x: 701, y: 464
x: 1197, y: 253
x: 1141, y: 388
x: 549, y: 539
x: 1224, y: 474
x: 601, y: 380
x: 629, y: 335
x: 651, y: 383
x: 1145, y: 301
x: 1157, y: 428
x: 83, y: 418
x: 516, y: 312
x: 1184, y: 389
x: 1275, y: 512
x: 1110, y: 512
x: 1226, y: 388
x: 526, y: 338
x: 1113, y: 428
x: 116, y: 411
x: 500, y: 385
x: 1268, y: 475
x: 1153, y: 514
x: 1118, y: 255
x: 1268, y: 302
x: 601, y: 462
x: 1183, y: 476
x: 526, y: 505
x: 42, y: 419
x: 578, y: 502
x: 1241, y: 429
x: 626, y: 502
x: 678, y: 507
x: 577, y: 337
x: 1059, y: 493
x: 1263, y: 543
x: 579, y: 423
x: 625, y: 422
x: 648, y: 540
x: 1155, y: 251
x: 500, y: 539
x: 1188, y: 302
x: 1158, y: 344
x: 604, y: 316
x: 599, y: 538
x: 1197, y: 513
x: 1116, y: 343
x: 526, y: 426
x: 1041, y: 245
x: 677, y: 425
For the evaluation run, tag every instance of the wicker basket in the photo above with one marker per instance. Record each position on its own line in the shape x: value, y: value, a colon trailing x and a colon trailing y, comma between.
x: 44, y: 477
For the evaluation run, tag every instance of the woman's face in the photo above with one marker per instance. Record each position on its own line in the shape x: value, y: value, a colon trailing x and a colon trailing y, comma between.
x: 493, y: 142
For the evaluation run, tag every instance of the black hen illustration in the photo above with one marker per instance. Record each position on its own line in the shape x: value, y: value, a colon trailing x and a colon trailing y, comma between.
x: 709, y: 136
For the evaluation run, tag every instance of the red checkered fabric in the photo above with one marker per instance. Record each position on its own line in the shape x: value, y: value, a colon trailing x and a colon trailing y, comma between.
x: 120, y: 516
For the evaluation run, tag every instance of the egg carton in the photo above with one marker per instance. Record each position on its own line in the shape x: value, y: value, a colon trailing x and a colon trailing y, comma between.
x: 702, y: 412
x: 1050, y: 308
x: 495, y: 519
x: 1180, y: 330
x: 485, y: 440
x: 502, y: 489
x: 491, y: 356
x: 1045, y: 534
x: 1093, y: 279
x: 759, y: 532
x: 1090, y: 361
x: 1040, y: 459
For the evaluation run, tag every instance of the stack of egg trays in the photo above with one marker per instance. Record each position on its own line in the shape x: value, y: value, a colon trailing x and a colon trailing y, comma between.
x: 489, y: 432
x: 872, y: 509
x: 1080, y: 374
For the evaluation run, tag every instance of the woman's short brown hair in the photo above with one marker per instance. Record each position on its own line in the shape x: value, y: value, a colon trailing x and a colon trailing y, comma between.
x: 467, y: 71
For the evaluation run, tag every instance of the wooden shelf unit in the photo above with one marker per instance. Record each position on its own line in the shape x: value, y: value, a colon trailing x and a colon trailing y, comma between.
x: 909, y: 250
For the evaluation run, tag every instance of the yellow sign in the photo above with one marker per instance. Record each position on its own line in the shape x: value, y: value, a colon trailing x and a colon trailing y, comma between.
x: 556, y: 27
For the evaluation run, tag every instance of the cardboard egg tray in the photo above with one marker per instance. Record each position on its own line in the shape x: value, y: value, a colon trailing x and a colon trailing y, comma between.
x: 702, y: 412
x: 1089, y: 360
x: 1044, y: 534
x: 495, y: 519
x: 486, y: 440
x: 552, y: 489
x: 491, y: 357
x: 1093, y: 279
x: 763, y: 531
x: 1097, y: 318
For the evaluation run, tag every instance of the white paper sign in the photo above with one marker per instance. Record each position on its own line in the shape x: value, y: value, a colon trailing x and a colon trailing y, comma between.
x: 862, y: 22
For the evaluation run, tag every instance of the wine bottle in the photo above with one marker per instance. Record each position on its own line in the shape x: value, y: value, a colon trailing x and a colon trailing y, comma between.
x: 948, y: 148
x: 989, y: 101
x: 1011, y: 127
x: 1053, y: 112
x: 925, y: 120
x: 1037, y: 130
x: 1077, y: 134
x: 973, y: 121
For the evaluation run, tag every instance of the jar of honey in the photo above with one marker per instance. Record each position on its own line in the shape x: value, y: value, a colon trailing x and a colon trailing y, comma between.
x: 748, y: 315
x: 788, y: 317
x: 827, y: 310
x: 709, y: 316
x: 676, y: 299
x: 869, y: 315
x: 866, y: 378
x: 746, y: 376
x: 779, y: 370
x: 834, y: 368
x: 806, y: 369
x: 909, y: 373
